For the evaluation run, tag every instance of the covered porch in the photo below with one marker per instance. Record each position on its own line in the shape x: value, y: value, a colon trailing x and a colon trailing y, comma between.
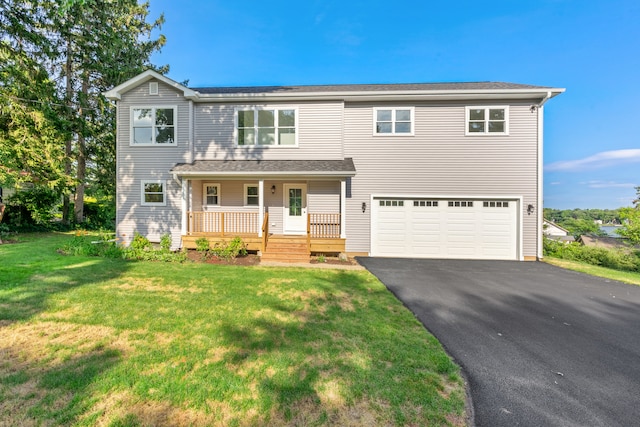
x: 281, y: 209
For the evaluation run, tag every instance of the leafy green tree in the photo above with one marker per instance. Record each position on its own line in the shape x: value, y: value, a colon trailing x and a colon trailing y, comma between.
x: 578, y: 227
x: 631, y: 224
x: 30, y: 117
x: 64, y: 55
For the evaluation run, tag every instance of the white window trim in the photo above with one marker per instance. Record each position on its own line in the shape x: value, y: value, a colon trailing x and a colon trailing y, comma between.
x: 142, y: 192
x: 204, y: 194
x: 265, y: 107
x: 246, y: 195
x: 486, y: 121
x: 393, y: 121
x: 153, y: 134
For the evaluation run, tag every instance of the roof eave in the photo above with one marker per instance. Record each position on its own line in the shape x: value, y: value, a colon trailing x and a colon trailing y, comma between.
x: 270, y: 174
x: 361, y: 96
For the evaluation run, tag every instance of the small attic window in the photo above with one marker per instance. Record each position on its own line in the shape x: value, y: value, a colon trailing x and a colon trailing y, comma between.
x: 153, y: 88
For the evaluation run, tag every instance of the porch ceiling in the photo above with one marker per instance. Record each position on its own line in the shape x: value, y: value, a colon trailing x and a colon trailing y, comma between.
x: 271, y: 168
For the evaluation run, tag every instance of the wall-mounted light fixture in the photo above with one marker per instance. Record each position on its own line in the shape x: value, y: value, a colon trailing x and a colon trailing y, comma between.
x: 530, y: 209
x: 273, y: 189
x: 364, y: 206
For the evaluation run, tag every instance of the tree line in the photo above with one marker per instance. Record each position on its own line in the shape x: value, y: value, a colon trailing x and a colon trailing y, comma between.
x: 583, y: 221
x: 57, y: 130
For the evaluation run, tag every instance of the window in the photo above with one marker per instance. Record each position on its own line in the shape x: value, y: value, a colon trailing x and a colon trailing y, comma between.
x: 251, y: 197
x: 257, y: 126
x: 495, y: 204
x: 393, y: 121
x: 153, y: 125
x: 425, y: 203
x: 211, y: 194
x: 460, y: 204
x: 391, y: 202
x: 487, y: 120
x: 153, y: 193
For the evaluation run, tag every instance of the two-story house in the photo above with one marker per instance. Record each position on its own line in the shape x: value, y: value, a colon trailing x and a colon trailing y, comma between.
x: 435, y: 170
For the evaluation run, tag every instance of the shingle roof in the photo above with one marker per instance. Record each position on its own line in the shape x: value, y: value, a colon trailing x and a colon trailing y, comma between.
x: 343, y: 167
x: 367, y: 88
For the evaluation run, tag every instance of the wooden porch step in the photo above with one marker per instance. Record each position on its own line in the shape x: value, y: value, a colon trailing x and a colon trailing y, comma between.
x: 285, y: 257
x: 287, y: 249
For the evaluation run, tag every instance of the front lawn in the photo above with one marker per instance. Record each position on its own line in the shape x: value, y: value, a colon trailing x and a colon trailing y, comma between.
x: 595, y: 270
x: 96, y: 341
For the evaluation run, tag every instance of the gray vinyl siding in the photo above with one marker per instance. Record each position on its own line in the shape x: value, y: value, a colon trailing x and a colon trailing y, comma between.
x: 323, y: 197
x: 440, y: 160
x: 319, y: 133
x: 136, y: 164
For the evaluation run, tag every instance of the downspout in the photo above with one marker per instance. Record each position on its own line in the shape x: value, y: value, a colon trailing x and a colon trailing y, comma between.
x: 183, y: 183
x: 540, y: 209
x: 191, y: 132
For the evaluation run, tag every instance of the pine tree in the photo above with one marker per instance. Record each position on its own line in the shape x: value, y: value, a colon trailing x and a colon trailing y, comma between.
x: 69, y: 52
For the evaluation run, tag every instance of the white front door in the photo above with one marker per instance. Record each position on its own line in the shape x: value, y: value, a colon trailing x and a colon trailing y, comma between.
x: 295, y: 209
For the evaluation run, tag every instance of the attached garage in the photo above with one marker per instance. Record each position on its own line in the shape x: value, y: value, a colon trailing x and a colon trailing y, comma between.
x: 421, y: 227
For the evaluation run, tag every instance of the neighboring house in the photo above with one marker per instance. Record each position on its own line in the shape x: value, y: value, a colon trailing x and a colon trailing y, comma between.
x: 603, y: 242
x: 441, y: 170
x: 555, y: 232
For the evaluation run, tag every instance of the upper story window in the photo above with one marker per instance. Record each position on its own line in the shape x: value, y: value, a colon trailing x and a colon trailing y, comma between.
x: 393, y: 121
x: 267, y: 126
x: 153, y: 125
x: 153, y: 193
x: 487, y: 120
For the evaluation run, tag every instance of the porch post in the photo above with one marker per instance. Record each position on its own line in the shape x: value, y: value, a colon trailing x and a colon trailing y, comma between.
x: 343, y: 208
x: 185, y: 192
x: 260, y: 206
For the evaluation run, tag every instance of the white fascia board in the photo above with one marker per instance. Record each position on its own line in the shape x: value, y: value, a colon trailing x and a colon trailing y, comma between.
x: 355, y: 96
x: 270, y: 174
x: 115, y: 94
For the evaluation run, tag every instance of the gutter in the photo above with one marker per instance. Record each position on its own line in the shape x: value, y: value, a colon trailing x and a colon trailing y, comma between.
x: 540, y: 201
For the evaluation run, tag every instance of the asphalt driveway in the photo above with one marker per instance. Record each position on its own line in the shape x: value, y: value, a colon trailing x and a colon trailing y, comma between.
x: 540, y: 346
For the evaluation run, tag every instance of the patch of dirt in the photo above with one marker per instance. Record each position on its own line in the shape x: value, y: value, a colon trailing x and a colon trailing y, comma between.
x: 253, y: 259
x: 332, y: 260
x: 249, y: 259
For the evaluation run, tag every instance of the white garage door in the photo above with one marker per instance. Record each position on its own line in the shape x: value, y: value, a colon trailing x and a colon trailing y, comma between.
x: 444, y: 228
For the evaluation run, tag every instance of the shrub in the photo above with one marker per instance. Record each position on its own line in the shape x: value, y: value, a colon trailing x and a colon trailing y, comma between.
x: 99, y: 213
x: 31, y: 208
x: 142, y: 249
x: 202, y: 244
x: 616, y: 259
x: 165, y: 242
x: 230, y: 250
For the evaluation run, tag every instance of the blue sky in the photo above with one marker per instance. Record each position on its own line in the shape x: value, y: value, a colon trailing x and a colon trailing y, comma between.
x: 591, y: 48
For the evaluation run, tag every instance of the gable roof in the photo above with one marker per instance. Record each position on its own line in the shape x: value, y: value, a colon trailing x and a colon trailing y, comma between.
x: 116, y: 93
x: 553, y: 224
x: 349, y: 92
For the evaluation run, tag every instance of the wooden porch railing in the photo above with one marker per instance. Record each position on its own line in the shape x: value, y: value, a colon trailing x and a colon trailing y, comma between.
x: 265, y: 231
x: 324, y: 225
x: 223, y: 222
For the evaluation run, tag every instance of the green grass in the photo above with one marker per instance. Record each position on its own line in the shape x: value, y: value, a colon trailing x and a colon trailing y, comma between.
x: 594, y: 270
x: 86, y: 341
